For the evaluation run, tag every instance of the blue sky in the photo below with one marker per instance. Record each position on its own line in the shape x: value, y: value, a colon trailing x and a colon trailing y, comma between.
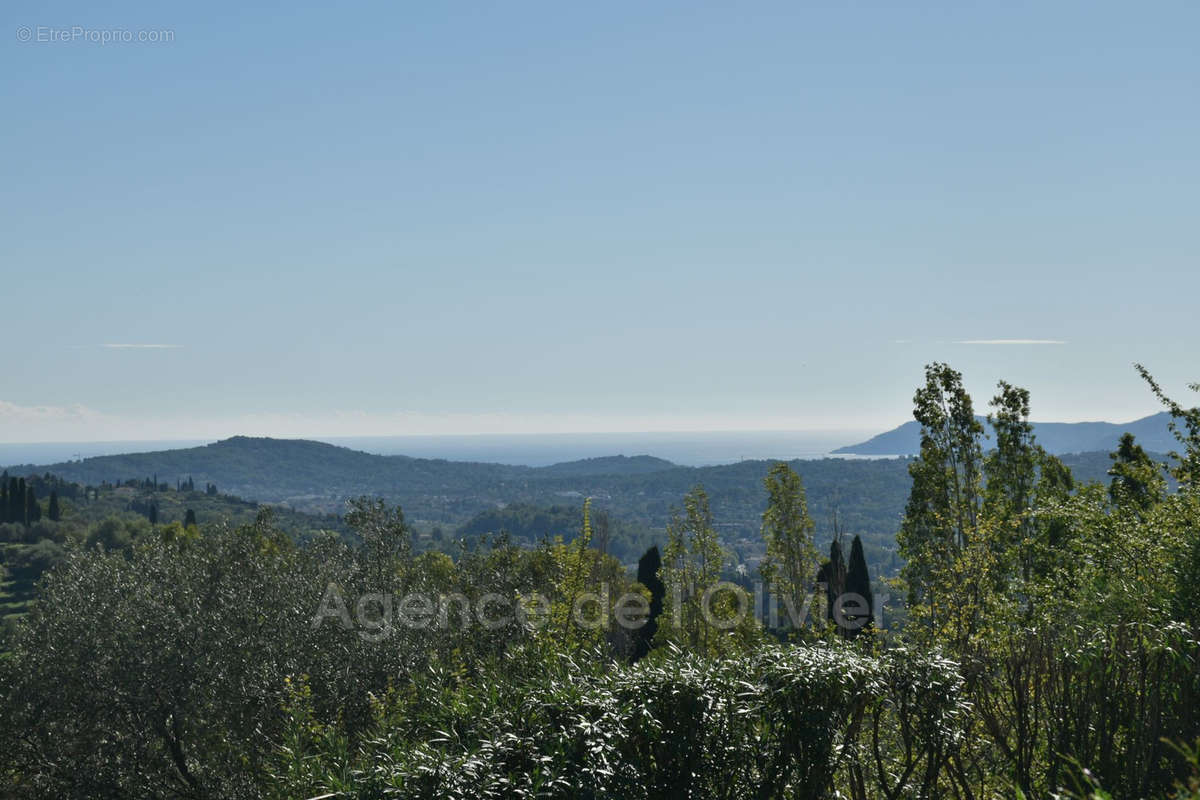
x: 519, y: 217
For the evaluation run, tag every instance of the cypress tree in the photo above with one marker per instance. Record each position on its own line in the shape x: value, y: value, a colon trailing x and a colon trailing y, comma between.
x: 22, y: 504
x: 54, y: 511
x: 189, y: 519
x: 16, y: 501
x: 858, y: 581
x: 833, y: 575
x: 33, y: 511
x: 153, y: 513
x: 648, y: 568
x: 4, y: 499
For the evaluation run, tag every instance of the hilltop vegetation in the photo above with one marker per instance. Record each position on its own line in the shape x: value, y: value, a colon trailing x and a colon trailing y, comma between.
x: 637, y: 493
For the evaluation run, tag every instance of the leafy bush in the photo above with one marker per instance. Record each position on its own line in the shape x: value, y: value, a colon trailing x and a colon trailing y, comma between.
x: 159, y: 672
x: 779, y: 723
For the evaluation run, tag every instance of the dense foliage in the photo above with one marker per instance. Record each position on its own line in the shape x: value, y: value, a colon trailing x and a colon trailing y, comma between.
x: 1049, y: 645
x: 1064, y: 608
x: 58, y: 513
x: 777, y: 722
x: 528, y: 524
x: 441, y: 497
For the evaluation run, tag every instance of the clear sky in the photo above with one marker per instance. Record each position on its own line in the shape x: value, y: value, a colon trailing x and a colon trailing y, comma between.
x: 334, y: 219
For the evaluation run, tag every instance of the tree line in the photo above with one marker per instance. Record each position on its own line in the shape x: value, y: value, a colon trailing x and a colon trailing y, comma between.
x: 19, y: 502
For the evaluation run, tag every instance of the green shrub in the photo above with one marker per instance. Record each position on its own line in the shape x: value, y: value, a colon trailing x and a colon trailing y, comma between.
x: 779, y: 723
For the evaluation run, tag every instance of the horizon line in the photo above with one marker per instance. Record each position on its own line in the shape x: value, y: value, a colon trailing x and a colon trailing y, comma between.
x: 525, y: 434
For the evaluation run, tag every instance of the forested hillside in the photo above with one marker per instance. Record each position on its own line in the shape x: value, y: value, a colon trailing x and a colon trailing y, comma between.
x: 867, y: 495
x: 42, y: 516
x: 1047, y: 644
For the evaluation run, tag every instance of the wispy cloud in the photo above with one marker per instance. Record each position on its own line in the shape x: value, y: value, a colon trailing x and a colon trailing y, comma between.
x: 142, y: 346
x: 12, y: 411
x: 1010, y: 341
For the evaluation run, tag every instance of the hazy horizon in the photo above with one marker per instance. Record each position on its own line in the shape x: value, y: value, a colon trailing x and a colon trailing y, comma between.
x: 323, y: 435
x: 688, y: 448
x: 351, y: 426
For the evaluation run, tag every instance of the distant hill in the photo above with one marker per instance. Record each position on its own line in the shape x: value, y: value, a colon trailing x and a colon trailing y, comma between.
x: 638, y: 492
x: 1057, y: 437
x: 609, y: 465
x: 319, y: 477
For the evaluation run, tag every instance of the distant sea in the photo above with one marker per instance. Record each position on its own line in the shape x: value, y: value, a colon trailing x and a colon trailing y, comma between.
x: 57, y: 452
x: 535, y: 450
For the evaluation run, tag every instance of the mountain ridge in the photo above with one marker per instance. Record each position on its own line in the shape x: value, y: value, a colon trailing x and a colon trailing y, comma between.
x: 242, y: 464
x: 866, y: 495
x: 1057, y: 437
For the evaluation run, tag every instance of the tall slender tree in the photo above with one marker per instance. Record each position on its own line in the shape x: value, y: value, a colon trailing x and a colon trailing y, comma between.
x: 858, y: 582
x: 1010, y: 467
x: 576, y: 567
x: 16, y: 500
x: 22, y: 510
x: 791, y: 559
x: 691, y: 566
x: 1011, y: 472
x: 942, y: 513
x: 649, y: 566
x: 33, y: 510
x: 833, y: 576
